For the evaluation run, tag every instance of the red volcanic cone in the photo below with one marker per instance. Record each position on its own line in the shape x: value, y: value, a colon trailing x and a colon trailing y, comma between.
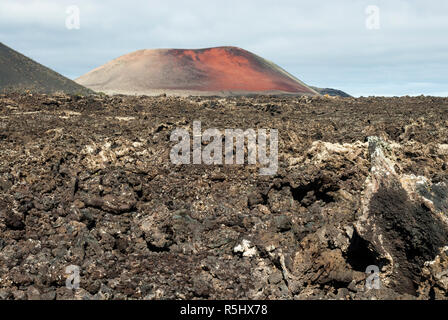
x: 223, y: 71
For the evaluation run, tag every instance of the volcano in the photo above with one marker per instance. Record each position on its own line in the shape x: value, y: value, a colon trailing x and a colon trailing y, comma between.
x: 18, y: 72
x: 221, y: 71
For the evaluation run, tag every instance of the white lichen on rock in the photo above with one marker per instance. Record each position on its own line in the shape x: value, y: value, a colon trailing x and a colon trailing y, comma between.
x: 246, y: 248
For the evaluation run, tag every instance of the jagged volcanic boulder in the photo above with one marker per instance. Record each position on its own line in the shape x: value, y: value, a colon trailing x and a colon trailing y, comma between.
x: 402, y: 220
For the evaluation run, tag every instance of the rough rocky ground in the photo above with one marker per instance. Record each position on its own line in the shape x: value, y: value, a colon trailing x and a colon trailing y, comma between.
x: 87, y: 181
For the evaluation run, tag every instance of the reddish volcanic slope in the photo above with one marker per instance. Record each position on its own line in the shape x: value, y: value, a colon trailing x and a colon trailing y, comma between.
x: 225, y: 70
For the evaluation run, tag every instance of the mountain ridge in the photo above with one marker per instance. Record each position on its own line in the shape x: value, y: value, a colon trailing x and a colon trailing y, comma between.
x: 18, y: 72
x: 208, y: 71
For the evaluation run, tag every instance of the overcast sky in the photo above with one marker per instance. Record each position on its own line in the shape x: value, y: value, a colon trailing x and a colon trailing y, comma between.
x: 323, y: 43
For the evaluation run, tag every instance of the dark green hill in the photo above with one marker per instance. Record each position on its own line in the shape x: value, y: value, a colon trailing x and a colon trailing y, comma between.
x: 18, y: 73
